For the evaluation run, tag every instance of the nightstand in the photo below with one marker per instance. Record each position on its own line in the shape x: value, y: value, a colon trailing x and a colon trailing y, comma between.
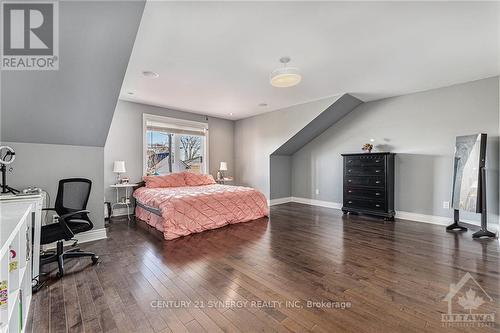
x: 126, y: 201
x: 225, y: 180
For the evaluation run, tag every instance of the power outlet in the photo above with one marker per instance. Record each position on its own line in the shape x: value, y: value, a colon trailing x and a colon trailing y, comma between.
x: 446, y: 204
x: 317, y: 191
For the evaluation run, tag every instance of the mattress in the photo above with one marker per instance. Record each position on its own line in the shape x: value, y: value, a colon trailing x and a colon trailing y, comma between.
x: 180, y: 211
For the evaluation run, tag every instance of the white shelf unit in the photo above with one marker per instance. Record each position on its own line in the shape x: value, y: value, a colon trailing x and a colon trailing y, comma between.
x: 16, y: 220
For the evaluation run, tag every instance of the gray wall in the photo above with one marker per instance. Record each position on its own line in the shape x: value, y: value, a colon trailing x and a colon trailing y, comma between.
x: 62, y: 117
x: 44, y: 165
x: 280, y: 159
x: 74, y: 105
x: 342, y: 106
x: 421, y: 128
x: 221, y: 145
x: 125, y: 141
x: 280, y: 176
x: 256, y: 138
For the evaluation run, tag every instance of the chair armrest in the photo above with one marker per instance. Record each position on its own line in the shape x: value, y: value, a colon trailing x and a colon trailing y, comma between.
x: 65, y: 216
x: 64, y: 224
x: 66, y: 229
x: 48, y: 209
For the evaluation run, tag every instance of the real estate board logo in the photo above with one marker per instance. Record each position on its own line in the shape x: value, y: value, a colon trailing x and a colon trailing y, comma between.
x: 30, y: 38
x: 468, y: 305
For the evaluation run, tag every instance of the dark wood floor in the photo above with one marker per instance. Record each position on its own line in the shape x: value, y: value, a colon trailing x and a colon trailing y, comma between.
x: 240, y: 278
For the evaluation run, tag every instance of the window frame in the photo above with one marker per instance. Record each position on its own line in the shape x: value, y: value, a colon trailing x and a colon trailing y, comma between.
x: 173, y: 123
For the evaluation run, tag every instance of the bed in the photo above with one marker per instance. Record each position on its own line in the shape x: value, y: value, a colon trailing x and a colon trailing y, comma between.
x: 184, y: 203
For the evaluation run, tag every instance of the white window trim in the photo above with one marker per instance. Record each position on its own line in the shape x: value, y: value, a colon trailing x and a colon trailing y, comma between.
x: 173, y: 123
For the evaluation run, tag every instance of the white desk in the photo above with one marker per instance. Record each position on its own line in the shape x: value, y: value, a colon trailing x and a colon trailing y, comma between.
x: 20, y: 221
x: 119, y: 202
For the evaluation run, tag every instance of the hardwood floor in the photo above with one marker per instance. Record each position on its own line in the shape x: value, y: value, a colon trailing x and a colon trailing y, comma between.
x: 259, y: 276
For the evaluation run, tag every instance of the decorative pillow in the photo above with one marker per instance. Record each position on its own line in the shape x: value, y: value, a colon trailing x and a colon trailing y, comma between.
x: 171, y: 180
x: 196, y: 179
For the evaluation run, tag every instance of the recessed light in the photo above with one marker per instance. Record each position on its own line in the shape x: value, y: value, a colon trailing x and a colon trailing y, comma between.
x: 230, y: 113
x: 262, y: 104
x: 150, y: 74
x: 130, y: 93
x: 372, y: 140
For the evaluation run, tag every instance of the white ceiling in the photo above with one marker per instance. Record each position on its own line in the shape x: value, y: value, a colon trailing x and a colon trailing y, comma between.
x: 215, y: 58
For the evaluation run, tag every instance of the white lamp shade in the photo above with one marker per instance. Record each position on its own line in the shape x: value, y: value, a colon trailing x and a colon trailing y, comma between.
x: 223, y: 166
x: 285, y: 77
x: 119, y: 167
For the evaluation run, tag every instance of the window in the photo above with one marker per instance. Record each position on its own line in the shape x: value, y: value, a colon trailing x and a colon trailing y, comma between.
x: 173, y: 145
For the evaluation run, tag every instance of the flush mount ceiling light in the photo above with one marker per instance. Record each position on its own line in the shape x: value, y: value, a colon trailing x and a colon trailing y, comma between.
x: 285, y: 77
x: 150, y: 74
x: 262, y: 105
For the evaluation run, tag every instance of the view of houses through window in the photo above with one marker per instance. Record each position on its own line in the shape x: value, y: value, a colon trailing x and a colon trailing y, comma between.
x: 173, y: 150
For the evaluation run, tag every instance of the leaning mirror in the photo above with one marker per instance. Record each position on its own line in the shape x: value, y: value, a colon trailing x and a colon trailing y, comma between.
x: 470, y: 153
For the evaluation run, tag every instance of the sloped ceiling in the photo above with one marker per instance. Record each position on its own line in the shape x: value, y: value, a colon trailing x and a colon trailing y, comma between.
x: 75, y: 104
x: 341, y: 107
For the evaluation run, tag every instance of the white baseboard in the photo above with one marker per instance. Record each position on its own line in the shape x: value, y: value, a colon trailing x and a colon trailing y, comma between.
x: 279, y: 201
x: 122, y: 211
x: 84, y: 237
x: 307, y: 201
x: 91, y: 235
x: 432, y: 219
x: 320, y: 203
x: 416, y: 217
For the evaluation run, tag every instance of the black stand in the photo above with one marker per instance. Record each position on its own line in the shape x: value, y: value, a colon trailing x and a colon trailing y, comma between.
x: 6, y: 188
x: 484, y: 232
x: 484, y: 213
x: 455, y: 226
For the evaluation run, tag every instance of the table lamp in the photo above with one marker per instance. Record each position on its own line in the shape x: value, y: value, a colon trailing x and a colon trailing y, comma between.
x: 222, y: 168
x: 118, y: 168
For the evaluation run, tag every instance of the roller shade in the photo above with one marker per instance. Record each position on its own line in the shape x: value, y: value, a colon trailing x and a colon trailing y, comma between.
x: 175, y: 129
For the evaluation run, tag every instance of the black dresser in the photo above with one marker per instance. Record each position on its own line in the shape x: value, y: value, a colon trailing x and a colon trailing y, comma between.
x: 369, y: 184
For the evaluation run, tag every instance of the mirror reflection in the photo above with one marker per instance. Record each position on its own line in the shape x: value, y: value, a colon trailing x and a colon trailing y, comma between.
x: 469, y: 153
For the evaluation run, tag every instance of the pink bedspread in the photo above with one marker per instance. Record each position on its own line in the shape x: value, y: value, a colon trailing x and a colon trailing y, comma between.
x: 191, y: 209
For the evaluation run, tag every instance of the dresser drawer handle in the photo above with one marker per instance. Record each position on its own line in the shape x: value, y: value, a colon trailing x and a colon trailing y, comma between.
x: 349, y: 170
x: 378, y: 193
x: 349, y: 191
x: 377, y: 161
x: 349, y: 202
x: 349, y: 181
x: 377, y: 171
x: 377, y: 205
x: 377, y: 182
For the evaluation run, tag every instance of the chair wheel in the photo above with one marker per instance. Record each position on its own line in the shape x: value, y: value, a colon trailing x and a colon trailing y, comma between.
x: 95, y: 259
x: 59, y: 275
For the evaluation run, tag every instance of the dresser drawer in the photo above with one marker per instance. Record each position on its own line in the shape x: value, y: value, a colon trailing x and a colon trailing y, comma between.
x: 369, y: 184
x: 365, y: 170
x: 368, y: 204
x: 353, y: 161
x: 364, y: 181
x: 370, y: 193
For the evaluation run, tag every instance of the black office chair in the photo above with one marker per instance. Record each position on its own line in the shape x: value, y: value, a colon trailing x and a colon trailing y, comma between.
x: 71, y: 203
